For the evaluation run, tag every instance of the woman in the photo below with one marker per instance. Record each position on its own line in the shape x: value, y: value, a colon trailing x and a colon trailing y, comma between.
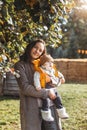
x: 29, y: 107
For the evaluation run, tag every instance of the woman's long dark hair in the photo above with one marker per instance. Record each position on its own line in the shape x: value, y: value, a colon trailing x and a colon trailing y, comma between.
x: 26, y: 57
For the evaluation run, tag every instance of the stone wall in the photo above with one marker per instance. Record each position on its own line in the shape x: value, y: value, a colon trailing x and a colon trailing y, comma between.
x: 8, y: 85
x: 74, y: 70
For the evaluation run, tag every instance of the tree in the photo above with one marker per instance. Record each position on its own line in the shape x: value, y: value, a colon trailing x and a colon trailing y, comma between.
x: 23, y: 20
x: 77, y: 29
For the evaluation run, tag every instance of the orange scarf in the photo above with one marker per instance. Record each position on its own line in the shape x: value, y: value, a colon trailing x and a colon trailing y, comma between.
x: 44, y: 78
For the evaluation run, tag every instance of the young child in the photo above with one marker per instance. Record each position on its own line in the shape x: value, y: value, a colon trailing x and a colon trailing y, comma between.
x: 46, y: 76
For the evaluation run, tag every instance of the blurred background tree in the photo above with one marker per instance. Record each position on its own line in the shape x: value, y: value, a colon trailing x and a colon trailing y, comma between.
x: 24, y: 20
x: 77, y: 31
x: 61, y: 23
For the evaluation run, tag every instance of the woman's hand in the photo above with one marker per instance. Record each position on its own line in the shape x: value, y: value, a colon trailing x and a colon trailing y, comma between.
x: 52, y: 94
x: 38, y: 88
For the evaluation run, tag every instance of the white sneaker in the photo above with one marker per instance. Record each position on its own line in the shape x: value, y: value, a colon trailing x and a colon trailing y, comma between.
x: 62, y: 113
x: 46, y: 115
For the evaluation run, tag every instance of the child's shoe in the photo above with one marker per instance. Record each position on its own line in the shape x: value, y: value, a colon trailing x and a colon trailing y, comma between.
x: 46, y: 115
x: 62, y: 113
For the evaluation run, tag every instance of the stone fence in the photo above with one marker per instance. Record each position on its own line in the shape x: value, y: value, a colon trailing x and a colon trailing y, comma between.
x: 74, y: 70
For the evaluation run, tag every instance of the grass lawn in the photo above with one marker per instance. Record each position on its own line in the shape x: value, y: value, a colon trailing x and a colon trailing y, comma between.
x: 74, y: 98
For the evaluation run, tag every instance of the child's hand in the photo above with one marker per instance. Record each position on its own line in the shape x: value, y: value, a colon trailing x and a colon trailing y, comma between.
x: 62, y: 80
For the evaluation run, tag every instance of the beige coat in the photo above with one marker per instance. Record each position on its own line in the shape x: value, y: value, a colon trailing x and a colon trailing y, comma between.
x: 29, y: 110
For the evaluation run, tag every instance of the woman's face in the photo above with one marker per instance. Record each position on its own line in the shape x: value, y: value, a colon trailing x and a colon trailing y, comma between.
x: 37, y: 50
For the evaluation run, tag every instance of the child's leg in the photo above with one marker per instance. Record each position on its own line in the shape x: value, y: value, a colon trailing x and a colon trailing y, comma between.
x: 45, y: 111
x: 57, y: 102
x: 60, y: 109
x: 45, y: 106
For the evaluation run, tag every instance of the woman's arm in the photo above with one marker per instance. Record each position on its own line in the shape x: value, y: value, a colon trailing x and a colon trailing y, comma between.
x: 25, y: 87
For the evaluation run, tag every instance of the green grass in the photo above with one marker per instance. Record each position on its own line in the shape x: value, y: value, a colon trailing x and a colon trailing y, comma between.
x: 9, y: 113
x: 74, y: 98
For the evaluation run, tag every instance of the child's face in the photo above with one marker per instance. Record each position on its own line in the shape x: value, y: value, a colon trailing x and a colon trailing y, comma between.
x: 48, y: 65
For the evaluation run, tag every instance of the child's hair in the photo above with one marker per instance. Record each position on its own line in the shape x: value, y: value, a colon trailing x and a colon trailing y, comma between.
x: 45, y: 58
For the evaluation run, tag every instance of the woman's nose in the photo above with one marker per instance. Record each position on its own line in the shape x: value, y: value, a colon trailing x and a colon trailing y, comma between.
x: 37, y: 51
